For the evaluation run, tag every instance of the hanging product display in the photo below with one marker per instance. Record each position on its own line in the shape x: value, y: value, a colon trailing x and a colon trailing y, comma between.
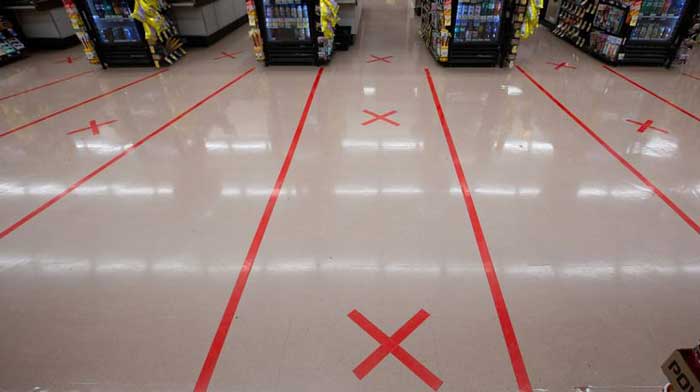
x: 626, y: 31
x: 11, y: 47
x: 294, y: 31
x: 254, y: 31
x: 329, y: 19
x: 532, y: 18
x: 467, y: 32
x: 81, y: 31
x: 160, y: 31
x: 147, y: 36
x: 519, y: 25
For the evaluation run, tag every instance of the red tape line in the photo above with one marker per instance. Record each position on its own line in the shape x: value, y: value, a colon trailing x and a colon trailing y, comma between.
x: 516, y: 357
x: 614, y: 153
x: 116, y: 158
x: 71, y: 107
x: 232, y: 305
x: 45, y: 85
x: 392, y: 345
x: 690, y: 76
x: 660, y: 98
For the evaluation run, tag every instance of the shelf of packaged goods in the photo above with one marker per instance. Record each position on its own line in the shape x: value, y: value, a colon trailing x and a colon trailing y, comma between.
x: 117, y: 19
x: 659, y: 17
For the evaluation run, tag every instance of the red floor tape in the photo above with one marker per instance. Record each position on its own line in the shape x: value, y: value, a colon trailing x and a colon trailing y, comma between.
x: 45, y: 85
x: 392, y: 345
x: 516, y: 357
x: 217, y: 343
x: 71, y: 107
x: 118, y: 157
x: 614, y: 153
x: 653, y: 94
x: 382, y: 117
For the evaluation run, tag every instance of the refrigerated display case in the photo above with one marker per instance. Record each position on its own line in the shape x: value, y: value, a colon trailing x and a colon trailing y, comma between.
x: 294, y: 32
x: 642, y: 32
x: 655, y: 37
x: 11, y: 46
x: 119, y: 39
x: 464, y: 32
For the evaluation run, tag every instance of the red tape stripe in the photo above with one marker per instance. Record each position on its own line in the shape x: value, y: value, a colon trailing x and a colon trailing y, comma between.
x: 614, y: 153
x: 232, y: 305
x: 660, y: 98
x: 116, y: 158
x: 690, y: 76
x: 71, y: 107
x: 46, y: 85
x: 516, y: 357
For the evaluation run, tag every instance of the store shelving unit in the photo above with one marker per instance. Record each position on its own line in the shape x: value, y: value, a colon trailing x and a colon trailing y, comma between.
x: 11, y: 46
x: 644, y: 32
x: 291, y: 32
x: 465, y: 32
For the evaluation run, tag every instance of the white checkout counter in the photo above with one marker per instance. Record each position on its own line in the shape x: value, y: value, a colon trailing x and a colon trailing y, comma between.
x: 44, y: 23
x: 203, y: 22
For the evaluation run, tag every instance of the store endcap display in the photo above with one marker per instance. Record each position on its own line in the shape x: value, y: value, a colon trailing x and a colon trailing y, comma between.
x: 160, y: 30
x: 81, y: 31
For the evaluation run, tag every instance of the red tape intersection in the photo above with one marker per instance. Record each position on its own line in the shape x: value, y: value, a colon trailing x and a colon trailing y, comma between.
x: 563, y: 64
x: 392, y: 345
x: 385, y: 59
x: 94, y: 126
x: 228, y: 55
x: 378, y: 117
x: 645, y: 125
x: 68, y: 60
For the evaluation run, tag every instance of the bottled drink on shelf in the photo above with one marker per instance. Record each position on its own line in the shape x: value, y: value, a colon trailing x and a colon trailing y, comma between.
x: 99, y: 8
x: 109, y: 11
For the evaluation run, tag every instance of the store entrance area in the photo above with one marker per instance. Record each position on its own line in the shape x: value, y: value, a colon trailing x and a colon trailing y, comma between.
x: 381, y: 223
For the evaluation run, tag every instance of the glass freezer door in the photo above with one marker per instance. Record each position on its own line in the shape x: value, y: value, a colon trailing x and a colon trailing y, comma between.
x: 477, y: 21
x: 112, y: 21
x: 658, y: 20
x: 287, y: 21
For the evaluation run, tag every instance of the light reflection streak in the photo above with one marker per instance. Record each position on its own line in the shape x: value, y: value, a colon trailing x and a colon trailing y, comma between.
x: 587, y: 271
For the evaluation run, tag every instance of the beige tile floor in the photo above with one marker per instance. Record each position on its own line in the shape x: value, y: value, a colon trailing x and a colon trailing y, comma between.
x: 119, y: 284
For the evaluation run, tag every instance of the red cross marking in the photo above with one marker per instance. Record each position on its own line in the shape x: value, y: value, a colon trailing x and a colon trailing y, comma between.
x: 690, y: 76
x: 377, y: 58
x: 378, y: 117
x: 558, y: 66
x: 392, y: 345
x: 229, y: 55
x: 645, y: 125
x: 68, y: 60
x: 93, y: 126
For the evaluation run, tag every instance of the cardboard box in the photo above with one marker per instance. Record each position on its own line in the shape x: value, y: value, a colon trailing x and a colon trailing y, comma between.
x: 682, y: 371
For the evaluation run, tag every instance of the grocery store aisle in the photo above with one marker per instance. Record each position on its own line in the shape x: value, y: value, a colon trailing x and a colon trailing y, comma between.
x: 536, y: 225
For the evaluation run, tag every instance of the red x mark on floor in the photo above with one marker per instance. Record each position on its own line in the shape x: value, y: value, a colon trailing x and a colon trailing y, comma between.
x: 645, y: 125
x: 391, y: 345
x: 558, y: 66
x: 229, y: 55
x: 378, y: 117
x: 94, y: 127
x: 377, y: 58
x: 68, y: 60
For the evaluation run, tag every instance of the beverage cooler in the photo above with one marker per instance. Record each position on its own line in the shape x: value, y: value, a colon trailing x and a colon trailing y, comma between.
x: 294, y: 31
x: 119, y: 39
x: 464, y: 32
x: 655, y: 37
x: 640, y: 32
